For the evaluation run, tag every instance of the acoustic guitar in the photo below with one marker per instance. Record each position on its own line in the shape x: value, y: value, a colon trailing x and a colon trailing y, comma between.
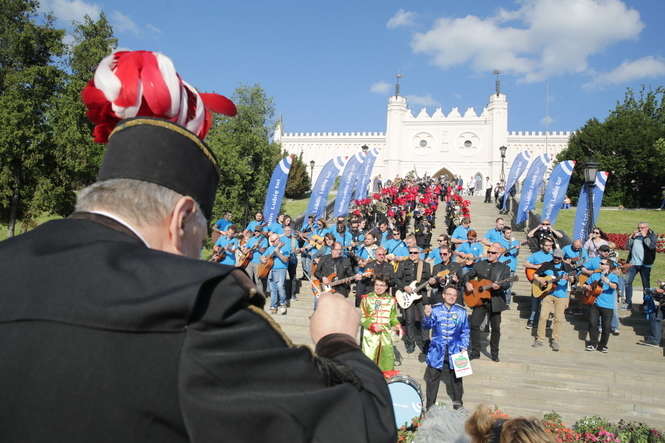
x: 263, y: 269
x: 482, y: 290
x: 591, y: 294
x: 539, y: 290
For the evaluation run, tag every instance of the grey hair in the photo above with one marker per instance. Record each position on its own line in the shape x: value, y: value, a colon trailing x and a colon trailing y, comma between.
x: 135, y: 201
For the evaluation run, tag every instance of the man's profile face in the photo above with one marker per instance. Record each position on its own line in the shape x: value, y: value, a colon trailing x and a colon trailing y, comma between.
x: 500, y: 224
x: 507, y: 234
x: 547, y: 246
x: 383, y: 227
x: 369, y: 239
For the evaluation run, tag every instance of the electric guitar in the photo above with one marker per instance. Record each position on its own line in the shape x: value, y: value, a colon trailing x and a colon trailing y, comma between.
x: 404, y: 299
x: 318, y: 287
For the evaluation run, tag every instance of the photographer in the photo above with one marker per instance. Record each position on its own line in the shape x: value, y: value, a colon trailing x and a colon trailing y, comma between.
x: 543, y: 231
x: 642, y: 247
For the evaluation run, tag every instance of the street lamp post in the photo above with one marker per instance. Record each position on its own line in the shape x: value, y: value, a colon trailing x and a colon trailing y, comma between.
x: 590, y: 171
x: 311, y: 172
x: 503, y: 150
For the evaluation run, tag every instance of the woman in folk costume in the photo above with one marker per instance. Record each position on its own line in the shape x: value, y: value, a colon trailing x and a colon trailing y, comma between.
x: 378, y: 312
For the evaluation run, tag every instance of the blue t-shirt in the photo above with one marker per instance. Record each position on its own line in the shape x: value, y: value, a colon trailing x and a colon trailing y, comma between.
x: 259, y: 243
x: 396, y: 247
x: 229, y: 245
x: 278, y: 263
x: 592, y: 264
x: 607, y: 298
x: 222, y: 224
x: 434, y: 254
x: 475, y: 248
x: 568, y: 253
x: 509, y: 257
x: 344, y: 239
x: 561, y: 289
x: 494, y: 236
x: 275, y: 227
x: 252, y: 225
x: 460, y: 232
x: 321, y: 232
x: 540, y: 257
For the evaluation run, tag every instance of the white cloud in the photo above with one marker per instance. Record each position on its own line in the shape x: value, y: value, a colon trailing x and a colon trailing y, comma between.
x: 422, y: 100
x: 542, y: 38
x: 122, y: 23
x: 628, y: 71
x: 546, y: 121
x: 70, y: 10
x: 380, y: 87
x: 153, y: 28
x: 401, y: 18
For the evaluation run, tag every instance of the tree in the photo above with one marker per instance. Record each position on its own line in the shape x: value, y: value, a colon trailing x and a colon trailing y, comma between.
x: 28, y: 80
x: 245, y: 154
x: 626, y: 145
x: 298, y: 185
x: 77, y: 156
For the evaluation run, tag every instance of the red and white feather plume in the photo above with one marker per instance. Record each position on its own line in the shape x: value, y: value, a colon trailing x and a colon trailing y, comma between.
x: 143, y: 83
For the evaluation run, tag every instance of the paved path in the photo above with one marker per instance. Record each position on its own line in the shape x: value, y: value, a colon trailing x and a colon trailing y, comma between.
x: 628, y: 382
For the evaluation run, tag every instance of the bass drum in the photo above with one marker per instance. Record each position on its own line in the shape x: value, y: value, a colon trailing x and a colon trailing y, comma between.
x: 407, y: 399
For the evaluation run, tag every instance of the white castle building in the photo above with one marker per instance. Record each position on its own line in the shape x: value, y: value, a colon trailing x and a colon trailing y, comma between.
x: 458, y: 144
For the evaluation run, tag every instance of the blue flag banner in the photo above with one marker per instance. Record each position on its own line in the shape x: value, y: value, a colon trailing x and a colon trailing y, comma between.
x: 275, y: 192
x: 324, y: 182
x: 363, y: 179
x: 516, y: 170
x: 582, y: 222
x: 346, y: 184
x: 530, y: 187
x: 556, y: 189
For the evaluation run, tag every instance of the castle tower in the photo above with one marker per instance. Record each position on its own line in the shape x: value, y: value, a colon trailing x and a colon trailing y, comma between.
x: 397, y: 111
x: 497, y: 112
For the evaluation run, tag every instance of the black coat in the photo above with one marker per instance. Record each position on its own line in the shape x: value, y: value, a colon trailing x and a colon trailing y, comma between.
x: 340, y: 266
x: 103, y: 339
x: 407, y: 272
x: 495, y: 272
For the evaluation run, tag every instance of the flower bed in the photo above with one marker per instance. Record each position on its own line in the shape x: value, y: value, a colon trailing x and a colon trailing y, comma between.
x: 621, y: 241
x: 585, y: 430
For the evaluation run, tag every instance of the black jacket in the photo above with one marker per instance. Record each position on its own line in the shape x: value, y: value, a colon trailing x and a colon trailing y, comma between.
x: 649, y: 245
x: 495, y: 272
x: 103, y: 339
x: 385, y: 270
x: 407, y: 272
x: 340, y: 266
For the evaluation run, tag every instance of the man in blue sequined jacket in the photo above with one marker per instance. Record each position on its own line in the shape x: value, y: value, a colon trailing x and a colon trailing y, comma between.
x: 450, y: 335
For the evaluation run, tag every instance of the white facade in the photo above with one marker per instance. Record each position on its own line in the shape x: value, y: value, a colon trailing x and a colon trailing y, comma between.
x: 465, y: 145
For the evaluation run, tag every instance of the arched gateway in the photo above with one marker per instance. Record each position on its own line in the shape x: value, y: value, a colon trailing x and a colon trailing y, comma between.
x: 445, y: 173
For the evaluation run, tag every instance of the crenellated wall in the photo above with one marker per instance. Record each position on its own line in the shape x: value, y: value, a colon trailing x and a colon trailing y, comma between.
x: 463, y: 144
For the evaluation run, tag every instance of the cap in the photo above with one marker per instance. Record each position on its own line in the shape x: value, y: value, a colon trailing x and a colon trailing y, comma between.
x: 604, y: 248
x: 558, y: 253
x: 164, y: 153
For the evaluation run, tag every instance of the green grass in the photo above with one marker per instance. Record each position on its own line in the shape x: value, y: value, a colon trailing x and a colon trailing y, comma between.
x: 22, y: 227
x: 616, y: 221
x: 295, y: 208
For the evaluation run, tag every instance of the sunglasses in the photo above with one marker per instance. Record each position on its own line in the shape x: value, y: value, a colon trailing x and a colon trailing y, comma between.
x: 445, y: 253
x: 414, y: 252
x: 596, y: 232
x: 492, y: 252
x: 546, y: 224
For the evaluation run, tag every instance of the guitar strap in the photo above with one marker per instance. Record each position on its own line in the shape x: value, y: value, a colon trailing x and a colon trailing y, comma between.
x: 419, y: 270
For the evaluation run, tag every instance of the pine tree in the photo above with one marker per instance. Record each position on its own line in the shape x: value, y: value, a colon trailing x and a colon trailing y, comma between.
x: 299, y: 185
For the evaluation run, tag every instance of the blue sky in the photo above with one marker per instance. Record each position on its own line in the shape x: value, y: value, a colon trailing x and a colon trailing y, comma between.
x: 331, y: 66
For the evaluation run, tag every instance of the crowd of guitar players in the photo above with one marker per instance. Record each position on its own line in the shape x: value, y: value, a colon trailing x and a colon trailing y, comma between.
x: 373, y: 246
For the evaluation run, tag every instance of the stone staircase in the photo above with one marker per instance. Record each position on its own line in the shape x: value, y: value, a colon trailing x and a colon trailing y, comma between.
x: 626, y: 383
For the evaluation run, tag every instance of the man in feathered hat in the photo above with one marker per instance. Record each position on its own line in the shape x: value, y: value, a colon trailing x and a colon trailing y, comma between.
x: 114, y: 331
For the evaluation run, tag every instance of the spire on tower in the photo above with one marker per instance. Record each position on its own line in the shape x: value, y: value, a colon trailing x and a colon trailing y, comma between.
x: 497, y: 85
x: 398, y: 76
